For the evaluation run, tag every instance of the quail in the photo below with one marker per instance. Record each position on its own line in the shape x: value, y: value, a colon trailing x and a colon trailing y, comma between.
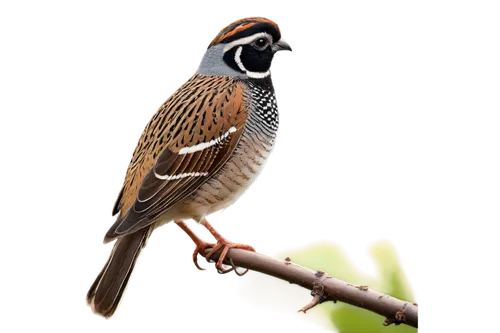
x: 201, y: 150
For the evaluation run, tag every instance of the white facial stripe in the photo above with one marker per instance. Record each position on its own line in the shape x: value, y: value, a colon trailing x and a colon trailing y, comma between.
x: 258, y: 75
x: 182, y: 175
x: 204, y: 145
x: 255, y: 75
x: 247, y: 40
x: 237, y: 59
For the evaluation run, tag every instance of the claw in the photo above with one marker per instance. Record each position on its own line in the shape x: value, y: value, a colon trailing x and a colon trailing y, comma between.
x: 235, y: 270
x: 226, y: 245
x: 195, y: 258
x: 222, y: 243
x: 201, y: 245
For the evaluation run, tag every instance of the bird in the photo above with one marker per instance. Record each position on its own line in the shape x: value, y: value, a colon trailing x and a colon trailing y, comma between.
x: 200, y: 151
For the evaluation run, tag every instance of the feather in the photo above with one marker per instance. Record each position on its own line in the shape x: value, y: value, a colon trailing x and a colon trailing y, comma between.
x: 205, y: 119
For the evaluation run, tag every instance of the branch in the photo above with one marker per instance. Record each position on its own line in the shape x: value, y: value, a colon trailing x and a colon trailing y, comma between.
x: 325, y: 288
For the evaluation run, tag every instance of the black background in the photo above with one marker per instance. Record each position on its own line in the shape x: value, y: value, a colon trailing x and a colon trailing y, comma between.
x: 355, y: 162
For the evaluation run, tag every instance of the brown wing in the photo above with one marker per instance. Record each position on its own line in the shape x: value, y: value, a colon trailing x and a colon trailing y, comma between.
x: 188, y: 140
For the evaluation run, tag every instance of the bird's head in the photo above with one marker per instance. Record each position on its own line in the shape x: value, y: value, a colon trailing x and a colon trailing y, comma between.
x: 244, y: 48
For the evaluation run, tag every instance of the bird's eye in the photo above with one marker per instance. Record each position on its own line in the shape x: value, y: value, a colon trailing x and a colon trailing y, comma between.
x: 260, y: 44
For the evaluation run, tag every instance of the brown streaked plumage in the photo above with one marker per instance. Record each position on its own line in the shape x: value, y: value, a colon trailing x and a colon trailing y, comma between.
x: 203, y: 109
x: 201, y: 150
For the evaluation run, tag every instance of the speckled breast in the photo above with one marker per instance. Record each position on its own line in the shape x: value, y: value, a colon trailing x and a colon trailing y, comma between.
x: 248, y: 159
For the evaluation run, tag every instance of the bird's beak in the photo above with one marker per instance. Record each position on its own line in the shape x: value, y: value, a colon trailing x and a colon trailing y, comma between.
x: 280, y: 46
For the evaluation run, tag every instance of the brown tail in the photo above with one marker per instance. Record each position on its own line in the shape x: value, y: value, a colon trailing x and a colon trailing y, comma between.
x: 107, y: 290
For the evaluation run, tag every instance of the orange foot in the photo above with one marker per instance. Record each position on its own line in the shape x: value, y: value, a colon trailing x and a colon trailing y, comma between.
x: 202, y: 247
x: 225, y: 245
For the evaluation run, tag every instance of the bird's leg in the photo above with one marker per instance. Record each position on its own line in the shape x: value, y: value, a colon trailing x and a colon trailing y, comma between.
x: 225, y: 245
x: 201, y: 245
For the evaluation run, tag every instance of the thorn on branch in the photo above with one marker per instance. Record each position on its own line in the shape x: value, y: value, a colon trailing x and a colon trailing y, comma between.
x: 316, y: 300
x: 318, y: 293
x: 399, y: 317
x: 388, y: 322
